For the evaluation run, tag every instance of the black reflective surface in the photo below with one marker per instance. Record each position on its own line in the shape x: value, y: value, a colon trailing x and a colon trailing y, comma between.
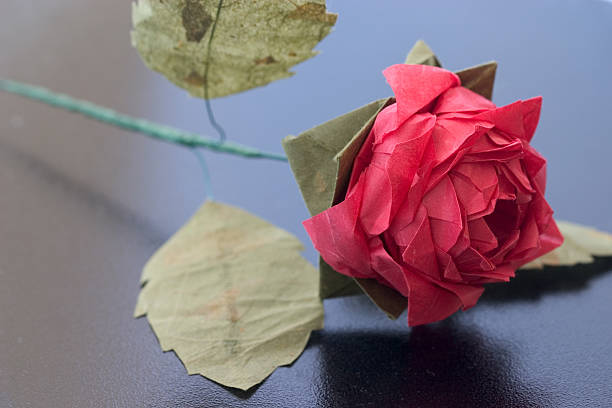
x: 83, y: 206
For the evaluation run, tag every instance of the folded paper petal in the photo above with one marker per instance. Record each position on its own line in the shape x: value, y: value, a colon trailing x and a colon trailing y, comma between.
x: 454, y: 134
x: 508, y: 119
x: 444, y: 213
x: 385, y: 266
x: 531, y: 116
x: 337, y: 236
x: 393, y: 164
x: 415, y: 86
x: 416, y: 240
x: 427, y: 302
x: 460, y: 99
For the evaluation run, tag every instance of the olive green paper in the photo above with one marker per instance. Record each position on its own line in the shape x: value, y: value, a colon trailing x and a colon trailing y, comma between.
x: 254, y: 42
x: 232, y: 296
x: 421, y: 54
x: 321, y: 160
x: 479, y: 79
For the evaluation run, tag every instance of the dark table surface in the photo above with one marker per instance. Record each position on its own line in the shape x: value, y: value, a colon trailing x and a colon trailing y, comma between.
x: 83, y: 206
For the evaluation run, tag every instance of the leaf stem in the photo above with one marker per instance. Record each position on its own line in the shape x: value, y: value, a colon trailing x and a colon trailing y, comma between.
x: 208, y: 188
x: 209, y: 111
x: 151, y: 129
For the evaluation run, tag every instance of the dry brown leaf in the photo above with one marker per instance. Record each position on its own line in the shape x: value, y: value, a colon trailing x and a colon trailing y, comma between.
x: 254, y: 42
x: 232, y: 296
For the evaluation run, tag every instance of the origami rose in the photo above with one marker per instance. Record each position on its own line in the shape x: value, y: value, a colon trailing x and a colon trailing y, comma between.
x: 445, y: 195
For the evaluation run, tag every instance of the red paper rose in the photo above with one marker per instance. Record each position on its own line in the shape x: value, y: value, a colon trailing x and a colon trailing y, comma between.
x: 446, y: 194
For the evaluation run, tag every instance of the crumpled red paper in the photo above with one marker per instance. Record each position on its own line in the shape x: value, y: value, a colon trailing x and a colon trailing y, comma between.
x: 446, y: 194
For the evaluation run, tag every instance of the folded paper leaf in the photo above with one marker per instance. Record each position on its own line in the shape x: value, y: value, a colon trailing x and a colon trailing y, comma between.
x: 321, y: 160
x: 580, y: 245
x: 421, y: 54
x: 231, y: 295
x: 254, y: 43
x: 479, y: 79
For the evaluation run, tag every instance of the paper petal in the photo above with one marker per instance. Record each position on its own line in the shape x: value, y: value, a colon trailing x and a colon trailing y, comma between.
x: 393, y: 164
x: 386, y: 267
x: 429, y: 303
x: 419, y: 251
x: 444, y: 213
x: 580, y: 245
x: 531, y: 116
x: 231, y: 295
x: 508, y: 118
x: 415, y: 86
x: 338, y: 237
x: 460, y: 99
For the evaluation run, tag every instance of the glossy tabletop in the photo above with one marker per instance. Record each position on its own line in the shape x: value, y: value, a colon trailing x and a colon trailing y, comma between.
x: 84, y: 205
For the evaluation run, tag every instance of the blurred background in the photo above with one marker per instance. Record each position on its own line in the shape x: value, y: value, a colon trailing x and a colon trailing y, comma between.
x: 83, y: 205
x: 559, y: 49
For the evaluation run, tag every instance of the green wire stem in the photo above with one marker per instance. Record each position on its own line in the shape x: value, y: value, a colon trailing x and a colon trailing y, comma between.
x: 151, y: 129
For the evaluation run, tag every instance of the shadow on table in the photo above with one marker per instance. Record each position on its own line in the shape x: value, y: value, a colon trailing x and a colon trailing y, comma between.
x: 533, y: 284
x: 444, y: 364
x: 450, y: 363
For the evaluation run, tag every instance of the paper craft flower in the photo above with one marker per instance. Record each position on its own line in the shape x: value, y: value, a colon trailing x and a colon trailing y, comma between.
x: 446, y: 194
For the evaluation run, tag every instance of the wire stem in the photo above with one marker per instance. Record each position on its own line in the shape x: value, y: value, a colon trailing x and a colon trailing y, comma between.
x: 209, y: 111
x: 208, y: 188
x: 151, y: 129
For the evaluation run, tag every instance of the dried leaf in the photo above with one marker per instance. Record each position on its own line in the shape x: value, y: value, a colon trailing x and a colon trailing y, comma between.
x: 254, y: 42
x: 231, y: 295
x: 579, y: 246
